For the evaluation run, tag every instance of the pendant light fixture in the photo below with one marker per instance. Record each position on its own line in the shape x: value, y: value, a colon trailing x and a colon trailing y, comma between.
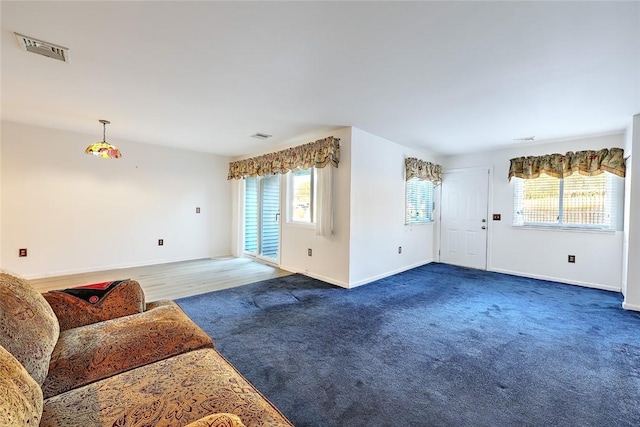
x: 104, y: 149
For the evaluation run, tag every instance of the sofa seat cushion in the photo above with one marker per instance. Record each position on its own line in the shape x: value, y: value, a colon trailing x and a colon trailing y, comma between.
x: 93, y: 352
x: 172, y: 392
x: 84, y: 305
x: 28, y: 326
x: 20, y: 395
x: 218, y: 420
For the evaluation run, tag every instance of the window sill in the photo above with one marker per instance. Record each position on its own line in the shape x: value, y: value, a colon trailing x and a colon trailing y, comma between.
x: 307, y: 225
x: 411, y: 224
x: 563, y: 229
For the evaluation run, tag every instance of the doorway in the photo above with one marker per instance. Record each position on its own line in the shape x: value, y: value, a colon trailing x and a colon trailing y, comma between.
x: 464, y: 218
x: 262, y: 218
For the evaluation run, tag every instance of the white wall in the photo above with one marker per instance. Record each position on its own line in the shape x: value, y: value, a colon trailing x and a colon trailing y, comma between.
x: 78, y: 213
x: 237, y: 217
x: 1, y: 133
x: 330, y: 256
x: 369, y: 225
x: 543, y: 253
x: 377, y: 211
x: 628, y: 148
x: 632, y: 295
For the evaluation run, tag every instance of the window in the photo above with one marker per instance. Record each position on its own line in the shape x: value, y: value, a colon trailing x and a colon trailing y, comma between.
x: 419, y: 203
x: 251, y: 215
x: 576, y: 201
x: 302, y: 194
x: 261, y: 216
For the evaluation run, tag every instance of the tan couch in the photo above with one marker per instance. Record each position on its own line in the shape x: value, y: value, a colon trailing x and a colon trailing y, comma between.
x: 69, y: 362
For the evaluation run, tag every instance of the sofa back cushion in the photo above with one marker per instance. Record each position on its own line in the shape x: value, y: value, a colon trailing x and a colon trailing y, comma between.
x: 21, y: 397
x: 28, y: 327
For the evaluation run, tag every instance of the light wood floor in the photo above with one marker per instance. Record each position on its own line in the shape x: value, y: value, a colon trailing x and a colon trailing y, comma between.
x: 175, y: 280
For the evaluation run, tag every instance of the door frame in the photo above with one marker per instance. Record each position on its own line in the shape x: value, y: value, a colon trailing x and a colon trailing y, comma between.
x: 490, y: 178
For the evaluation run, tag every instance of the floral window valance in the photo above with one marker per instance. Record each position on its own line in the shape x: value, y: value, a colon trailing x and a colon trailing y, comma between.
x: 416, y: 168
x: 589, y: 162
x: 319, y: 154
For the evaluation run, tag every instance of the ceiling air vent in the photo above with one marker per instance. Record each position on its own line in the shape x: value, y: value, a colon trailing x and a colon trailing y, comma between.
x: 525, y: 139
x: 261, y: 135
x: 43, y: 48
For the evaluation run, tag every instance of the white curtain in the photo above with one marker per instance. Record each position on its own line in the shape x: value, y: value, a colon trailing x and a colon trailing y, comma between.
x: 324, y: 202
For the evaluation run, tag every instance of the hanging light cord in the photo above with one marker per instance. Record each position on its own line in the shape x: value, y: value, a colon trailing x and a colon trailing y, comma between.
x: 104, y: 129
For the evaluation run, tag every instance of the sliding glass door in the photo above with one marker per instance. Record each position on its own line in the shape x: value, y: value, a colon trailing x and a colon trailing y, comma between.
x: 262, y: 217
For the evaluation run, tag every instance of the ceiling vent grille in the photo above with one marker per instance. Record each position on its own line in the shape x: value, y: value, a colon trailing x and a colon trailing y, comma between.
x: 261, y: 135
x: 525, y: 139
x: 43, y: 48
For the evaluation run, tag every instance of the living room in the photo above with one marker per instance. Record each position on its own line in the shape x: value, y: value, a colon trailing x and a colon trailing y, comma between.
x: 185, y: 89
x: 109, y: 215
x: 74, y: 214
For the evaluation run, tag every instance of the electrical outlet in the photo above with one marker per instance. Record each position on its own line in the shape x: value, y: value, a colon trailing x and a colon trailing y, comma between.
x: 309, y: 252
x: 197, y: 210
x: 496, y: 217
x: 399, y: 249
x: 160, y: 242
x: 22, y: 252
x: 572, y: 259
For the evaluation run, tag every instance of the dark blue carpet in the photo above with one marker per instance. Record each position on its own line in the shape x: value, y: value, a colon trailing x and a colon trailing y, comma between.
x: 434, y: 346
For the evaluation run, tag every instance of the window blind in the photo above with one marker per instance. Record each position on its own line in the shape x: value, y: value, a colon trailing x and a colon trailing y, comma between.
x: 576, y: 201
x: 419, y: 201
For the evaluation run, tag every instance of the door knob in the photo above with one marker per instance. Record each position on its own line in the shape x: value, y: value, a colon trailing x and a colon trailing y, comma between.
x: 484, y: 220
x: 484, y: 228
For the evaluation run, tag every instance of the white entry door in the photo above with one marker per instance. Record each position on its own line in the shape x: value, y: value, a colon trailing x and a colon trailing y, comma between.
x: 464, y: 222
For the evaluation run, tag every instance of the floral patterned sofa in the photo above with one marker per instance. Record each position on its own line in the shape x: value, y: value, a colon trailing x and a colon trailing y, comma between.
x: 112, y: 360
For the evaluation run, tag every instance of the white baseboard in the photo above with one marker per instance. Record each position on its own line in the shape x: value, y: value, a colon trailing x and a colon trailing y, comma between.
x: 559, y: 280
x: 388, y: 273
x: 359, y: 282
x: 316, y: 276
x: 632, y: 307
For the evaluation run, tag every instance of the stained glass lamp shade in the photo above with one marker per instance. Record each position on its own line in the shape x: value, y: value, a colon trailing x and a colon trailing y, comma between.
x: 104, y: 149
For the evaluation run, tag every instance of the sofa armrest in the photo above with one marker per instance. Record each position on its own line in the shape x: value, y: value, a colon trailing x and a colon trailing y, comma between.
x: 159, y: 303
x: 89, y: 304
x: 218, y: 420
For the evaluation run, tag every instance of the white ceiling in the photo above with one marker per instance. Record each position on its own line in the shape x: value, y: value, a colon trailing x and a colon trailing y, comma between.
x: 449, y: 77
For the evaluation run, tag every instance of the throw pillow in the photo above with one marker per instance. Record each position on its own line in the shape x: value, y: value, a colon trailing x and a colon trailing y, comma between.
x: 84, y: 305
